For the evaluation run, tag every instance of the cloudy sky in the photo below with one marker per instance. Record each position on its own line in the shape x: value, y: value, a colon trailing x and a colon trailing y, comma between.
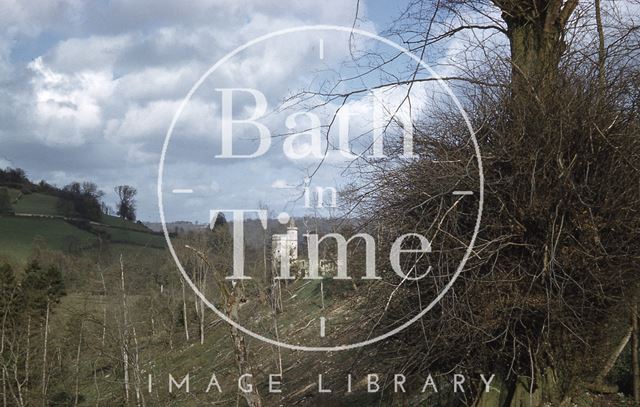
x: 89, y: 89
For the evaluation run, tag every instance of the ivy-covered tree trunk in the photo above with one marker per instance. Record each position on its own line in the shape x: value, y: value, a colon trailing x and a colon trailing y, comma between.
x: 536, y: 30
x: 536, y: 35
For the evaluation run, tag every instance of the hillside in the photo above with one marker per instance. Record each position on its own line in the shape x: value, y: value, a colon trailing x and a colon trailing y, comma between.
x: 39, y: 216
x: 93, y: 284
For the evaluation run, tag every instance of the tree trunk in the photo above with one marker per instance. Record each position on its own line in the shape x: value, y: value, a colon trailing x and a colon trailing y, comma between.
x: 533, y: 56
x: 77, y: 385
x: 19, y: 385
x: 536, y: 36
x: 26, y: 360
x: 4, y: 387
x: 4, y: 370
x: 614, y: 357
x: 231, y: 299
x: 44, y: 355
x: 244, y: 367
x: 95, y: 383
x: 137, y: 372
x: 601, y: 45
x: 104, y: 308
x: 125, y: 368
x: 125, y: 335
x: 634, y: 354
x: 184, y: 311
x: 202, y: 280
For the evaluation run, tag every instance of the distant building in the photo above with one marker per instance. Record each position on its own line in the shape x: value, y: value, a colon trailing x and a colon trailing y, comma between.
x: 286, y: 245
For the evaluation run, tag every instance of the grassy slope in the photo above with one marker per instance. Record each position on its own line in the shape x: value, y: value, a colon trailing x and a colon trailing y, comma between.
x: 17, y: 235
x: 43, y: 204
x: 36, y: 203
x: 298, y: 323
x: 132, y: 236
x: 13, y: 193
x: 216, y: 355
x: 16, y: 240
x: 116, y: 221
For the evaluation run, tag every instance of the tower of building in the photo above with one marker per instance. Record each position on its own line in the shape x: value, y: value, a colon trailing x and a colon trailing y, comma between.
x: 286, y: 245
x: 292, y: 240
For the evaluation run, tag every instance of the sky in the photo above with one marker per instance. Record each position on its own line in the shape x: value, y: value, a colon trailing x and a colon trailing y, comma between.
x: 90, y: 88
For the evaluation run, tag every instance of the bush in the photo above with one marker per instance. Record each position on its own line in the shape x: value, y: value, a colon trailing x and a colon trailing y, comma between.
x: 5, y: 202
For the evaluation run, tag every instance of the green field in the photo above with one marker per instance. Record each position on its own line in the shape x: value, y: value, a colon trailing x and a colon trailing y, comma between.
x: 17, y: 235
x: 13, y: 194
x: 121, y: 223
x: 37, y: 203
x: 117, y: 235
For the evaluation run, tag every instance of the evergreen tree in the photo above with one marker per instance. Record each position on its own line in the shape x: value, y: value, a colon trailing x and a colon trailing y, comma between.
x: 33, y: 288
x: 41, y: 286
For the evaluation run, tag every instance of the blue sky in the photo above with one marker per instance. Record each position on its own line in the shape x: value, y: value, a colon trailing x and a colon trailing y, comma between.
x: 90, y: 88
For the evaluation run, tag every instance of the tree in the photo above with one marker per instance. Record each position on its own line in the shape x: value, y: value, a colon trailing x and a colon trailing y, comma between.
x: 536, y: 31
x: 8, y: 312
x: 232, y: 298
x: 555, y: 224
x: 5, y: 202
x: 80, y: 200
x: 221, y: 220
x: 41, y: 288
x: 106, y: 209
x: 34, y: 288
x: 126, y: 205
x: 15, y: 177
x: 8, y: 285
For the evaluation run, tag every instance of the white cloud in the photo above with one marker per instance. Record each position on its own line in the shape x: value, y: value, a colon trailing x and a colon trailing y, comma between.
x: 68, y: 107
x: 280, y: 184
x: 152, y: 120
x: 31, y: 17
x: 157, y: 82
x: 141, y: 122
x: 4, y: 163
x: 97, y: 53
x: 107, y: 77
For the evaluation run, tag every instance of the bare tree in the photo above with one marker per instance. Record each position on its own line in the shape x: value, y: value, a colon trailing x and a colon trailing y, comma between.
x: 124, y: 333
x: 545, y: 253
x: 126, y: 205
x: 231, y: 298
x: 185, y: 314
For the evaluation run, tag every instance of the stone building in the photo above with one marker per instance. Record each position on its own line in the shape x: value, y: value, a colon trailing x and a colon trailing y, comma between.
x: 286, y: 245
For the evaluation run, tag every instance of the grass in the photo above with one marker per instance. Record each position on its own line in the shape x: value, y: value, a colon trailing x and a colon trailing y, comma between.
x: 297, y: 324
x: 17, y: 235
x: 43, y: 204
x: 36, y: 203
x: 116, y: 221
x: 139, y: 238
x: 215, y: 356
x: 13, y: 194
